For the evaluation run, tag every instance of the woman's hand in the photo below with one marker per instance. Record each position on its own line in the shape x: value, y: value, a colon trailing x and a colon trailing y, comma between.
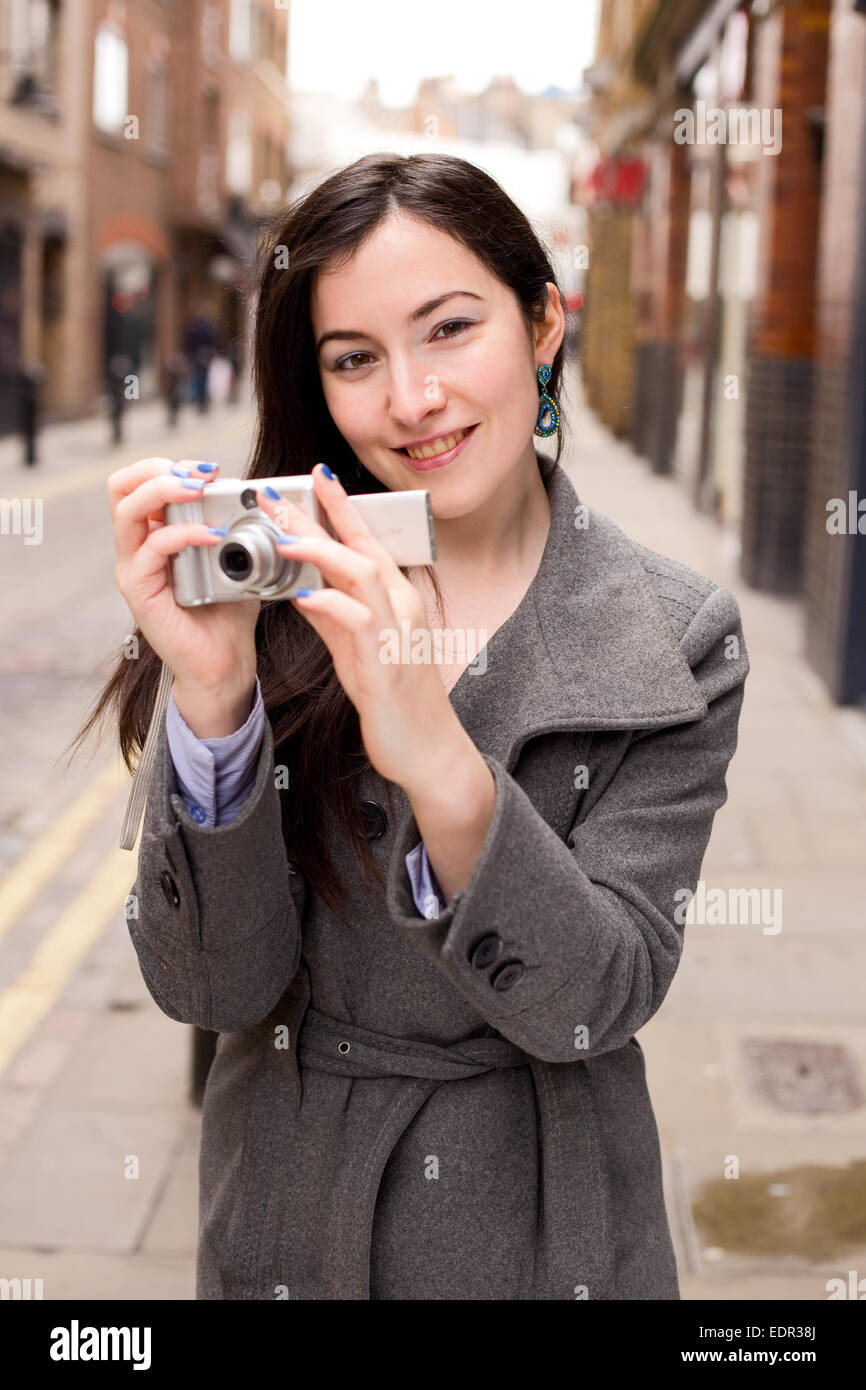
x: 408, y: 725
x: 210, y: 649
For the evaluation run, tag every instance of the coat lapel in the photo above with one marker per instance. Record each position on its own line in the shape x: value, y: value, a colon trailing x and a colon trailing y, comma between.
x: 589, y: 646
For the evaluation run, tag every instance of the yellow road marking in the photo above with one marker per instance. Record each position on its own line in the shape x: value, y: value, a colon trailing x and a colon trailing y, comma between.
x: 59, y: 484
x: 96, y: 475
x: 26, y: 1002
x: 27, y: 877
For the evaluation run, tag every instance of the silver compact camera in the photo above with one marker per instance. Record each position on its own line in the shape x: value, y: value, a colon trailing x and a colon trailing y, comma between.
x: 246, y: 563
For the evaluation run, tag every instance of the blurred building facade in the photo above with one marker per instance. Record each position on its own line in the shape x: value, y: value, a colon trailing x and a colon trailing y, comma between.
x: 500, y: 111
x: 725, y: 311
x: 142, y: 145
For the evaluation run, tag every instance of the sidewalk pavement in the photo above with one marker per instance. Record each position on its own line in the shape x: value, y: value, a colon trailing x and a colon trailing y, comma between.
x: 79, y: 453
x: 99, y: 1144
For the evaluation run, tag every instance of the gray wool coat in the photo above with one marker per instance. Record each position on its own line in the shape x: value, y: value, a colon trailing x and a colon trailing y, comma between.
x: 457, y: 1108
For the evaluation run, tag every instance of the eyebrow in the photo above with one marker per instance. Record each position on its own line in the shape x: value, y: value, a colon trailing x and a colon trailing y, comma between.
x: 421, y: 312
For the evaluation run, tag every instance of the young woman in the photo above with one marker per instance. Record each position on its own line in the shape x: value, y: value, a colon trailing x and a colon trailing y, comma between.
x: 425, y: 904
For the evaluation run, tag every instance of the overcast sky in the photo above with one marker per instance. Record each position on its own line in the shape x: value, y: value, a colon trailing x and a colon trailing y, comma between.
x: 337, y: 45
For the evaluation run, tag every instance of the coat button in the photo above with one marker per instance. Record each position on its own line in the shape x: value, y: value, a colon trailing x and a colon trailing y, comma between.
x: 486, y: 951
x: 507, y: 975
x: 375, y: 820
x: 169, y: 888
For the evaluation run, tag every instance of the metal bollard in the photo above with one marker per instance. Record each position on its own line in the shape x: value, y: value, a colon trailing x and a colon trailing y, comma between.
x: 29, y: 382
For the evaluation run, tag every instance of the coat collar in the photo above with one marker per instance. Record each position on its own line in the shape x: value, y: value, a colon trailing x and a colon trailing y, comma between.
x: 588, y: 647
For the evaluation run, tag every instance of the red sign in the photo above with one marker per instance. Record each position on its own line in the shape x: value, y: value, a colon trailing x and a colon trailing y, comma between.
x: 618, y: 179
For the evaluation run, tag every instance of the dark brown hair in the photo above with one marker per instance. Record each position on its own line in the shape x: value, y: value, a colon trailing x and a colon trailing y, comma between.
x: 315, y: 725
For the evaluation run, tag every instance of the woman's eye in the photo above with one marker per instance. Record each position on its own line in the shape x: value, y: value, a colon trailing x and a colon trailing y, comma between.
x: 459, y: 324
x: 342, y: 364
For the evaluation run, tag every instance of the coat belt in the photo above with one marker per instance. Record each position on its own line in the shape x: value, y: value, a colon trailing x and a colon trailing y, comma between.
x: 572, y: 1250
x: 327, y: 1044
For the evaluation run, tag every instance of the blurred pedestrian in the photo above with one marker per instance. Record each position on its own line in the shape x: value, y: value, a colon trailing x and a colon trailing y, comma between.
x: 219, y: 379
x: 200, y: 346
x: 120, y: 366
x: 235, y: 356
x: 176, y: 373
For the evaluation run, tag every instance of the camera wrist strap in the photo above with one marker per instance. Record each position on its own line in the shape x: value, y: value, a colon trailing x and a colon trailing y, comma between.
x: 141, y: 776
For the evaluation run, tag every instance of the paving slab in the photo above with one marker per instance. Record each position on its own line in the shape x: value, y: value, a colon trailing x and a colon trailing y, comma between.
x: 95, y: 1275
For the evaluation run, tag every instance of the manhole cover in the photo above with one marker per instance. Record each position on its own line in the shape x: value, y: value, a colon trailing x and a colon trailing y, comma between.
x: 804, y: 1076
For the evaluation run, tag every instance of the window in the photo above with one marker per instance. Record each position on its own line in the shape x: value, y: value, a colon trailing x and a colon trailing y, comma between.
x: 211, y: 116
x: 110, y: 79
x: 156, y: 127
x: 207, y: 183
x: 239, y: 153
x: 33, y: 33
x: 211, y: 29
x: 240, y: 31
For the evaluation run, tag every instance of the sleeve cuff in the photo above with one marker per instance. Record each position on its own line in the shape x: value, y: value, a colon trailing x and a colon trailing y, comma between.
x: 426, y: 893
x: 503, y: 906
x: 433, y: 933
x: 215, y: 776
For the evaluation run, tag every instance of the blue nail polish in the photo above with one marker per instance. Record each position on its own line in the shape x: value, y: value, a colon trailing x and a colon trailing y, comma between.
x: 196, y: 483
x: 303, y: 593
x: 180, y: 472
x: 217, y: 531
x: 207, y: 467
x: 271, y: 492
x: 326, y: 470
x: 287, y: 540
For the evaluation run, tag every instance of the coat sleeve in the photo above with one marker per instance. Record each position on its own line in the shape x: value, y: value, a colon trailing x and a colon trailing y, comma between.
x: 592, y: 923
x: 214, y: 914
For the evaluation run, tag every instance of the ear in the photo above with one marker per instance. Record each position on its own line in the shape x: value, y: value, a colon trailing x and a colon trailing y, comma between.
x: 550, y: 332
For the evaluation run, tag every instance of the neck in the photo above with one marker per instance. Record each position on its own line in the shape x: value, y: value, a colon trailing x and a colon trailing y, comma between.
x: 503, y: 538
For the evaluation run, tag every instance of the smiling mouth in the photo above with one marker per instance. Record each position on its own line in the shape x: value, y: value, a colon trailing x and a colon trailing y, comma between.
x: 437, y: 446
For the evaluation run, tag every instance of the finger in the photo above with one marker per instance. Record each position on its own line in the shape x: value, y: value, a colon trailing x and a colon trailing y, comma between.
x: 326, y: 607
x: 198, y: 468
x: 132, y: 513
x: 149, y: 559
x: 356, y: 575
x: 288, y: 515
x: 349, y: 524
x: 125, y: 480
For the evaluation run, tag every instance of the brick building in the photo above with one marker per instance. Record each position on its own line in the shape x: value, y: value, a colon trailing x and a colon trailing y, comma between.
x: 725, y: 295
x: 142, y: 145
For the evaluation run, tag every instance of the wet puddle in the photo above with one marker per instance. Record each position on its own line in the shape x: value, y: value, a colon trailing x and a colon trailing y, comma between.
x: 812, y: 1211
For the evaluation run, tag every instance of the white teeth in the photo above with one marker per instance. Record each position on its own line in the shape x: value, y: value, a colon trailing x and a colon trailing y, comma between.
x: 439, y: 446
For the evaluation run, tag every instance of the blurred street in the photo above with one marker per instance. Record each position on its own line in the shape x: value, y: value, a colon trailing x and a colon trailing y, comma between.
x: 98, y: 1140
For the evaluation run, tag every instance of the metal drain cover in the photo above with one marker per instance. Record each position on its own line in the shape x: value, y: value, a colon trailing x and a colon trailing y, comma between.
x: 808, y: 1077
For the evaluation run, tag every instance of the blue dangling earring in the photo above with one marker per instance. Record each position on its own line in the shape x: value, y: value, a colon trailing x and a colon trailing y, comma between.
x: 546, y: 405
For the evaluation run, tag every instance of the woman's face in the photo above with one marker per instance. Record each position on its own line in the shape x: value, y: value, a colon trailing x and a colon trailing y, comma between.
x: 430, y: 344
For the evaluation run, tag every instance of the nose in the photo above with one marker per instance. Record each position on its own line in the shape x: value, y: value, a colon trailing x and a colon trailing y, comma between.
x: 415, y: 392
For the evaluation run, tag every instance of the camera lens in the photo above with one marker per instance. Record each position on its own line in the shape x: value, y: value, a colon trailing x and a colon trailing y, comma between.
x: 235, y: 562
x: 248, y: 558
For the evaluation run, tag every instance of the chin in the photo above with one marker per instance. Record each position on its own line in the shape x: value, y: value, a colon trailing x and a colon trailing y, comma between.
x: 459, y: 501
